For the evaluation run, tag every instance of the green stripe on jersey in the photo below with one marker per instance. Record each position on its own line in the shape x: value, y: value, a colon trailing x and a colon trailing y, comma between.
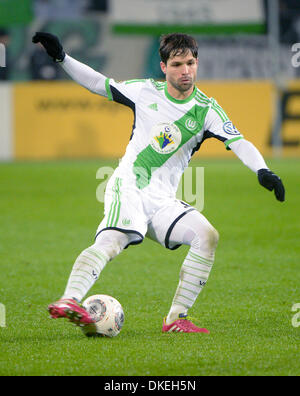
x: 148, y: 160
x: 218, y: 109
x: 180, y: 101
x: 135, y: 81
x: 114, y: 212
x: 159, y: 85
x: 203, y: 99
x: 228, y: 142
x: 108, y: 91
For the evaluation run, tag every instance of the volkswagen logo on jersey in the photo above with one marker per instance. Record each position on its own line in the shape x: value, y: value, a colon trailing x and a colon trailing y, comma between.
x: 230, y: 128
x: 166, y: 137
x: 191, y: 124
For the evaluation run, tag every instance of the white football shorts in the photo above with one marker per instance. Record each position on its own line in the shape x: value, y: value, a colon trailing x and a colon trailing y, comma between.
x: 130, y: 210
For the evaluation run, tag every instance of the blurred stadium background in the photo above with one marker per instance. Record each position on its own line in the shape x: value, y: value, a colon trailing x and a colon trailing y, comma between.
x: 245, y: 63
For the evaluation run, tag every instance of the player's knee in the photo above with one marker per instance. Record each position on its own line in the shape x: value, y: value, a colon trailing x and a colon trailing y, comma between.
x: 213, y: 238
x: 206, y: 238
x: 111, y: 242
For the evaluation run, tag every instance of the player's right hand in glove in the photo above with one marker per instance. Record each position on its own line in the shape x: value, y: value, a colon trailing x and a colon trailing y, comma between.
x: 51, y: 44
x: 269, y: 180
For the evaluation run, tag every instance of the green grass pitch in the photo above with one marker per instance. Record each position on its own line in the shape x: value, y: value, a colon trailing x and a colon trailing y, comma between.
x: 49, y: 213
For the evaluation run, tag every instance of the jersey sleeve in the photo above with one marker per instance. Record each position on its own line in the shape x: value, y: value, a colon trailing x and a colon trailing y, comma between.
x: 125, y: 92
x: 84, y: 75
x: 218, y: 125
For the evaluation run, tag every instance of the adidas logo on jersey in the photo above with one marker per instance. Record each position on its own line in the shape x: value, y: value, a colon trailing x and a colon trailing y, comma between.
x: 153, y: 106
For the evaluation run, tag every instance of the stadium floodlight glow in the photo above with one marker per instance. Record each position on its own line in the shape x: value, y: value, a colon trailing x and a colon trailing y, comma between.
x: 2, y: 55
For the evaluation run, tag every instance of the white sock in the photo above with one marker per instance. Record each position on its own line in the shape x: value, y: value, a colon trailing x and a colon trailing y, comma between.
x: 174, y: 313
x: 91, y: 261
x: 85, y: 272
x: 193, y: 277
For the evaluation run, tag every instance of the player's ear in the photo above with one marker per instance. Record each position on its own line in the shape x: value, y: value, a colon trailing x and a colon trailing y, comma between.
x: 163, y: 67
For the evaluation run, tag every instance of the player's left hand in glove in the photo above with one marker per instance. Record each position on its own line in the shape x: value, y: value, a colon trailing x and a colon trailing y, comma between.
x: 269, y: 180
x: 51, y: 44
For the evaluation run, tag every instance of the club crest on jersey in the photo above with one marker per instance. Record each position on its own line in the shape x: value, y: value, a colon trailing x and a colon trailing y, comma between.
x: 166, y: 137
x: 191, y: 124
x: 230, y: 128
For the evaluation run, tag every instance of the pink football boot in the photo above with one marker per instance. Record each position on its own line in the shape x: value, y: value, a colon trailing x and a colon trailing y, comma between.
x: 70, y: 309
x: 182, y: 325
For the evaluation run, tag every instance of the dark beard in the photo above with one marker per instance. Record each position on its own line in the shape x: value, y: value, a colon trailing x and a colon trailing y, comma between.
x: 181, y: 88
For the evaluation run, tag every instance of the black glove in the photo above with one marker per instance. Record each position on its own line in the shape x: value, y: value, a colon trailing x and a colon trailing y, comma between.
x: 269, y: 180
x: 51, y: 44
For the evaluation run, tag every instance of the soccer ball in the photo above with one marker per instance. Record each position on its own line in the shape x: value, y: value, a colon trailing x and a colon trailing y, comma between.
x: 107, y: 313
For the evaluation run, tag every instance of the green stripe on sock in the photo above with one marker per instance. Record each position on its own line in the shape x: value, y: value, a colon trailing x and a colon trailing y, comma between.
x: 89, y: 258
x: 197, y: 276
x: 190, y: 291
x: 81, y: 283
x: 198, y: 262
x: 97, y: 254
x: 190, y: 283
x: 181, y: 295
x: 75, y: 288
x: 81, y: 270
x: 81, y: 276
x: 88, y: 264
x: 201, y: 259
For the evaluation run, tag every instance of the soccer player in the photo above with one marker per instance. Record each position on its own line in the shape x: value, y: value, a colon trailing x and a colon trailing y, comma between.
x: 171, y: 121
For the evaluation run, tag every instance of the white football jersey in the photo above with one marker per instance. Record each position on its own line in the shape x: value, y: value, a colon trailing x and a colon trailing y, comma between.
x: 166, y: 132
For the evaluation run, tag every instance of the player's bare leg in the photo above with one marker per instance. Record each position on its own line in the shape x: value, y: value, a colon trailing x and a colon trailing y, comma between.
x: 193, y: 230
